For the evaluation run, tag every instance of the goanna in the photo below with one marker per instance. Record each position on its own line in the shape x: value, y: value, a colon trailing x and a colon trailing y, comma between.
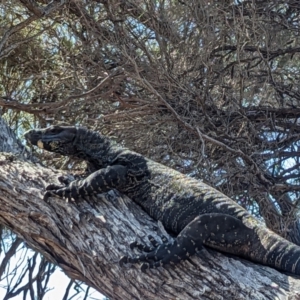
x: 196, y: 213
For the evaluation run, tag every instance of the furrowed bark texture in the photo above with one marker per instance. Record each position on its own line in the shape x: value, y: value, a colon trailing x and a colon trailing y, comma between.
x: 87, y: 239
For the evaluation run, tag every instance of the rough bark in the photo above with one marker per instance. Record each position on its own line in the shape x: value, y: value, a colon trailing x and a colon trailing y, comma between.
x: 87, y: 239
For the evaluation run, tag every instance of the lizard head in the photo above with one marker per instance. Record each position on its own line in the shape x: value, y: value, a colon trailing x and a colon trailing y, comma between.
x: 58, y: 139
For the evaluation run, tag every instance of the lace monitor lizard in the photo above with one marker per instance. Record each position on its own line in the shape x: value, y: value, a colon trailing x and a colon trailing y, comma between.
x: 196, y: 213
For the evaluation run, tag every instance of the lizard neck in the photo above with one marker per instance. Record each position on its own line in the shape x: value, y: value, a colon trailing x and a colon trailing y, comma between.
x: 95, y: 148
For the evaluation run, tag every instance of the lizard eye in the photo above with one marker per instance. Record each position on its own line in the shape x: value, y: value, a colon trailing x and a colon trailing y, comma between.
x: 54, y: 145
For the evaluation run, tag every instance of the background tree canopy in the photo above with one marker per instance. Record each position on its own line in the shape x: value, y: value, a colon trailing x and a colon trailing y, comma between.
x: 210, y: 88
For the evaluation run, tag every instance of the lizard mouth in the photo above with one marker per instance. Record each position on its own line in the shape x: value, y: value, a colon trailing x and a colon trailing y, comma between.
x: 33, y: 136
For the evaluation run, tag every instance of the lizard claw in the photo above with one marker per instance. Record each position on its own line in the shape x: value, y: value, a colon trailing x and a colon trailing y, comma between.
x: 145, y: 267
x: 47, y: 195
x: 123, y: 261
x: 60, y: 192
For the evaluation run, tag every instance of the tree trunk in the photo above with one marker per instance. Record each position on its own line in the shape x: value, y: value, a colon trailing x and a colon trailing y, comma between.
x: 87, y: 240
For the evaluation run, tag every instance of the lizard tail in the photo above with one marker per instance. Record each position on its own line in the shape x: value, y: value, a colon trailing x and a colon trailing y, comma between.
x: 273, y: 250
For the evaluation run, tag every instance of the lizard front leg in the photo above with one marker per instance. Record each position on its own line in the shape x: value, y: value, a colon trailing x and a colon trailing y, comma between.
x: 98, y: 182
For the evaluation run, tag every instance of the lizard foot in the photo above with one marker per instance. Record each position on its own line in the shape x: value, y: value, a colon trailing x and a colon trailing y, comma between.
x: 166, y: 253
x: 63, y: 192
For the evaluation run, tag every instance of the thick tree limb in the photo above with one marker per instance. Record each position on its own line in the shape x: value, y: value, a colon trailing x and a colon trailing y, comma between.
x: 87, y: 240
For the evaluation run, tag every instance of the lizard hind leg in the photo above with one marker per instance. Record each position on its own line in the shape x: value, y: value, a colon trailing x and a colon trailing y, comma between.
x: 207, y: 229
x: 161, y: 254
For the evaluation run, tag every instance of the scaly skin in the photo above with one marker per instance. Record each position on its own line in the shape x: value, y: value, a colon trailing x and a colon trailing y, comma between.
x: 198, y: 214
